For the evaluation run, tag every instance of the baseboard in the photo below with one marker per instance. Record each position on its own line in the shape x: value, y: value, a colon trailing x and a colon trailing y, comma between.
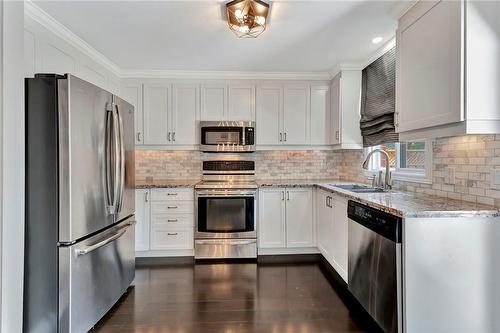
x: 279, y: 251
x: 289, y: 258
x: 163, y: 261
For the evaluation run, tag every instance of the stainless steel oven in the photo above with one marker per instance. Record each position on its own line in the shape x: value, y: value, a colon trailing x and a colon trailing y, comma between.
x: 226, y: 206
x: 227, y: 136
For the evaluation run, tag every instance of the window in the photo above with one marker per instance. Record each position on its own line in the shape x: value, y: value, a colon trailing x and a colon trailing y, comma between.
x: 408, y: 160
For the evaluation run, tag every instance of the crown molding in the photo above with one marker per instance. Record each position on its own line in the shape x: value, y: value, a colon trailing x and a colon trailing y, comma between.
x: 178, y: 74
x: 380, y: 52
x: 344, y: 66
x: 40, y: 16
x: 401, y: 8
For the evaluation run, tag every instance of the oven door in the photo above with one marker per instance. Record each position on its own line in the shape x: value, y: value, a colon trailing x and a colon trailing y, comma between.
x: 225, y: 214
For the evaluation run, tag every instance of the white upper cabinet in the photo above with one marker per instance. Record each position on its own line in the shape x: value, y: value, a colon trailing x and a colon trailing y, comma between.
x: 345, y: 110
x: 296, y: 114
x: 269, y: 111
x: 214, y: 101
x: 156, y: 113
x: 320, y: 115
x: 241, y: 102
x: 299, y: 217
x: 185, y: 114
x: 132, y: 93
x: 446, y: 83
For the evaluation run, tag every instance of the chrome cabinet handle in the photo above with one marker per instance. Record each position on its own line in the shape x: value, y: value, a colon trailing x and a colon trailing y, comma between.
x: 172, y: 193
x: 146, y: 196
x: 172, y: 233
x: 326, y: 201
x: 121, y: 232
x: 288, y: 195
x: 173, y: 136
x: 282, y: 195
x: 172, y: 207
x: 281, y: 137
x: 172, y: 220
x: 337, y: 135
x: 168, y: 136
x: 138, y: 136
x: 284, y: 136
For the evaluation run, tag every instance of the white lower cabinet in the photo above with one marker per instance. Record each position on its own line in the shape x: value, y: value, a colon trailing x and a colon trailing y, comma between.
x: 165, y: 221
x: 286, y: 218
x: 142, y: 217
x: 331, y: 219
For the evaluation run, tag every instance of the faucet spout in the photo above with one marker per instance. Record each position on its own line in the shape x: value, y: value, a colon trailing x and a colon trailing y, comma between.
x: 388, y: 178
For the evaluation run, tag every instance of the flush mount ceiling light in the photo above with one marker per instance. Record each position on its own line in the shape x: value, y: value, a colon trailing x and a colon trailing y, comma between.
x: 377, y: 40
x: 247, y: 18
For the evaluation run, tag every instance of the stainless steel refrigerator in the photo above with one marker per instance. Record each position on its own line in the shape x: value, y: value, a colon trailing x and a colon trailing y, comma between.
x: 80, y: 181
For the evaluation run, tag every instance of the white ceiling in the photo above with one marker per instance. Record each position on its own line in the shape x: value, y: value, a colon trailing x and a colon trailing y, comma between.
x: 302, y: 36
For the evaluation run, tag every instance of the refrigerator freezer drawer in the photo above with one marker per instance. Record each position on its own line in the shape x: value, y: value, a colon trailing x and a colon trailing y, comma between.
x: 93, y: 274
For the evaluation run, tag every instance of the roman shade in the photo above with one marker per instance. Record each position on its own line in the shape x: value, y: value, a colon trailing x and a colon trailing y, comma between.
x: 378, y: 101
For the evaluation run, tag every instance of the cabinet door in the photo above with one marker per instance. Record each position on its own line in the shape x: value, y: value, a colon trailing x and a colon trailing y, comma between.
x: 429, y: 70
x: 132, y: 93
x: 320, y: 115
x: 296, y: 114
x: 185, y: 114
x: 335, y: 110
x: 299, y: 217
x: 156, y: 113
x: 324, y: 218
x: 241, y: 102
x: 339, y: 232
x: 269, y: 110
x: 142, y: 216
x: 214, y: 102
x: 272, y: 218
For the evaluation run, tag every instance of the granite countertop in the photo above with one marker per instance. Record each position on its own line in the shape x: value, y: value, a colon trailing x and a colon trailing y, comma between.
x: 403, y: 204
x: 165, y: 183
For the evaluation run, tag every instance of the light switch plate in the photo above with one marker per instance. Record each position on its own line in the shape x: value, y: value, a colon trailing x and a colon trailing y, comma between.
x: 495, y: 178
x: 449, y: 176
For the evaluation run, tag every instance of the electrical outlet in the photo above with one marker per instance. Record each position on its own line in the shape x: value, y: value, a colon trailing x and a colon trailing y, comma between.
x: 449, y: 176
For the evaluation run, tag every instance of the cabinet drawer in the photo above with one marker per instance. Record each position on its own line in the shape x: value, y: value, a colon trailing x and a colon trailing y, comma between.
x: 177, y: 194
x: 167, y: 220
x: 172, y: 207
x: 164, y: 239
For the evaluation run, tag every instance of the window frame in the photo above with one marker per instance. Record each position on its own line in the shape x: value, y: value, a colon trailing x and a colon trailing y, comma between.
x: 423, y: 176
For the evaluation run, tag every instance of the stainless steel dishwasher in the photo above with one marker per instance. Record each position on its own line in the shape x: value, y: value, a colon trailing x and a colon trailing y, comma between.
x: 374, y: 263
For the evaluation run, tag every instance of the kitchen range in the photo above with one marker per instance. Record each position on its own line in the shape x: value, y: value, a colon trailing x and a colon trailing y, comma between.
x: 226, y: 206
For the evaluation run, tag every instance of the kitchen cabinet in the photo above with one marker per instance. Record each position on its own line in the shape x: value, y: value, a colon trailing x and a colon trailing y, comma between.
x: 444, y: 85
x: 332, y: 226
x: 165, y: 222
x: 271, y: 227
x: 157, y: 108
x: 320, y: 115
x: 241, y: 102
x: 345, y: 110
x: 299, y: 217
x: 214, y: 101
x: 268, y: 114
x: 142, y: 211
x: 285, y: 218
x: 132, y: 93
x: 296, y: 114
x: 185, y: 114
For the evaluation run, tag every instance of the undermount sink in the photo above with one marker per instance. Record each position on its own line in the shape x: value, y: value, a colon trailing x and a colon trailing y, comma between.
x: 358, y: 188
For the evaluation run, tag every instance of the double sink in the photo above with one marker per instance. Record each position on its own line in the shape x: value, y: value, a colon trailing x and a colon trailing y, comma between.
x: 358, y: 188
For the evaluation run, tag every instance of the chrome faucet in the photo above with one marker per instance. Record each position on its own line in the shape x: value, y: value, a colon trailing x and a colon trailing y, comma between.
x: 388, y: 178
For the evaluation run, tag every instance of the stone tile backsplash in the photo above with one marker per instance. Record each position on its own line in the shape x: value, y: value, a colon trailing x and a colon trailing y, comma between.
x: 472, y: 158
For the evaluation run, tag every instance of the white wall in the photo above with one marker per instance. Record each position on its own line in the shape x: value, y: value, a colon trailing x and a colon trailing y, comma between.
x: 49, y: 47
x: 12, y: 147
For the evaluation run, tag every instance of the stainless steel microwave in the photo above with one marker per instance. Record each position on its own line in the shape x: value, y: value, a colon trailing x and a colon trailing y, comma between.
x: 227, y: 136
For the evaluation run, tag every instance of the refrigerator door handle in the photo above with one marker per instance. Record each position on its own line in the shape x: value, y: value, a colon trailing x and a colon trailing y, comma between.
x: 121, y: 232
x: 109, y: 171
x: 121, y: 160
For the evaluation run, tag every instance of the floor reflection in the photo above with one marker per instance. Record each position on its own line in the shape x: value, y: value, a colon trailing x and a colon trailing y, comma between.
x: 230, y: 298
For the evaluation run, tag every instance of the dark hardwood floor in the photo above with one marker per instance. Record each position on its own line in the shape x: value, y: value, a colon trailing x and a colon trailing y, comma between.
x: 231, y: 298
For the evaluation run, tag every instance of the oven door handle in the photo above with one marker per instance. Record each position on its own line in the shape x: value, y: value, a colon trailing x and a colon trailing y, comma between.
x: 232, y: 242
x: 225, y: 194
